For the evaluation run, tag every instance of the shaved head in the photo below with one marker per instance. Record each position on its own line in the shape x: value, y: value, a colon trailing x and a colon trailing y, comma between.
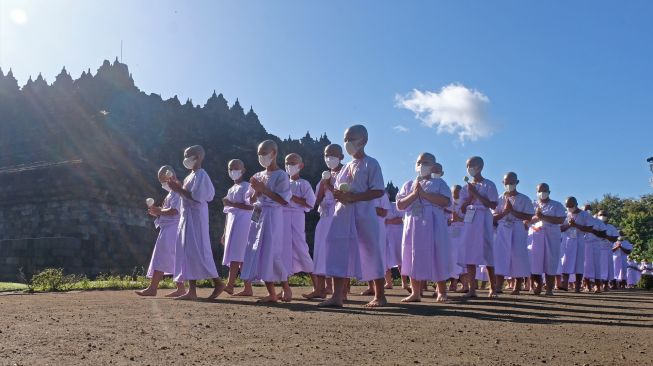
x: 437, y: 168
x: 571, y: 202
x: 510, y: 178
x: 475, y: 161
x: 162, y: 173
x: 293, y: 159
x: 426, y: 157
x: 196, y: 151
x: 356, y: 132
x: 334, y: 150
x: 236, y: 164
x: 267, y: 147
x: 543, y: 187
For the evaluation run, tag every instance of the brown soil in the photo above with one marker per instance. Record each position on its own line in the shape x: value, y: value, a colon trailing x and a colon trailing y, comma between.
x: 117, y: 327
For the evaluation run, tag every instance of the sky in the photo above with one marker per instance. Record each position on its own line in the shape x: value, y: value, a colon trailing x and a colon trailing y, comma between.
x: 558, y: 91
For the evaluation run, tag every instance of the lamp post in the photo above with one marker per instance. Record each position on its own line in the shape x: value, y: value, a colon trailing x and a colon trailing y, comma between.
x: 650, y: 165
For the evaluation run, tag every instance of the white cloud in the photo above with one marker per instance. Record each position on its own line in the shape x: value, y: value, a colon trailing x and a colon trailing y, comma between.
x: 18, y: 16
x: 455, y: 109
x: 400, y: 128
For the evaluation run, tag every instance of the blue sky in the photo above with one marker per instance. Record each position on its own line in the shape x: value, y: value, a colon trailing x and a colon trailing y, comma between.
x: 564, y: 88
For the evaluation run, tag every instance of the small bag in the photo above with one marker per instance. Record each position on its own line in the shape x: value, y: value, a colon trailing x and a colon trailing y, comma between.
x: 469, y: 214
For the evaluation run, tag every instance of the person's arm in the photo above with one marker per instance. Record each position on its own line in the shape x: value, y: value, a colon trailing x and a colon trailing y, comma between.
x: 552, y: 219
x: 176, y: 186
x: 404, y: 202
x: 242, y: 206
x: 436, y: 198
x: 320, y: 192
x: 395, y: 221
x: 381, y: 212
x: 484, y: 200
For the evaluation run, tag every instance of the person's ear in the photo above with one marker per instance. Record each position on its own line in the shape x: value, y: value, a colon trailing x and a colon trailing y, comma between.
x: 517, y: 182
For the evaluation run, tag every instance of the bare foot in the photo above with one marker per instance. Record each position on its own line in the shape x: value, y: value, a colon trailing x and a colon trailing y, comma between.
x: 407, y: 288
x: 515, y: 292
x: 175, y: 293
x: 470, y: 294
x: 367, y: 292
x: 442, y: 298
x: 493, y: 295
x: 537, y: 290
x: 146, y: 292
x: 330, y: 303
x: 388, y: 286
x: 412, y: 298
x: 376, y: 303
x: 187, y: 296
x: 216, y: 291
x: 244, y: 292
x: 286, y: 296
x: 548, y: 293
x: 314, y: 295
x: 329, y: 291
x: 229, y: 289
x: 268, y: 299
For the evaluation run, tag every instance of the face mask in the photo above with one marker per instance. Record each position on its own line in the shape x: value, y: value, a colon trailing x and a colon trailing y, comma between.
x: 332, y: 162
x: 189, y: 163
x: 423, y: 170
x: 166, y: 187
x: 603, y: 218
x: 351, y: 147
x: 510, y: 187
x: 542, y: 195
x: 472, y: 171
x: 436, y: 175
x: 235, y: 174
x: 292, y: 169
x: 571, y: 209
x: 265, y: 160
x: 621, y: 238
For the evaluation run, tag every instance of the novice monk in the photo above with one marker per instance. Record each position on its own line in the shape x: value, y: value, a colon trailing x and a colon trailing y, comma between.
x: 620, y: 252
x: 633, y: 273
x: 459, y: 273
x: 394, y: 225
x: 301, y: 202
x: 478, y: 197
x: 326, y: 207
x: 163, y: 256
x: 611, y: 236
x: 236, y: 227
x: 545, y: 250
x: 193, y: 256
x: 592, y: 269
x: 354, y: 248
x: 510, y: 245
x: 426, y: 253
x: 382, y: 209
x: 576, y: 224
x: 269, y: 192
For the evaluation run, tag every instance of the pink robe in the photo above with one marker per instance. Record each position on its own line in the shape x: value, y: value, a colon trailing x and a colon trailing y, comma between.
x: 455, y: 236
x: 265, y: 258
x: 354, y: 248
x: 326, y: 209
x: 593, y: 268
x: 633, y: 273
x: 193, y: 256
x: 394, y: 235
x: 163, y: 255
x: 299, y: 259
x: 478, y: 236
x: 545, y: 247
x: 511, y: 241
x: 606, y: 251
x: 384, y: 204
x: 426, y: 252
x: 573, y: 244
x: 237, y: 225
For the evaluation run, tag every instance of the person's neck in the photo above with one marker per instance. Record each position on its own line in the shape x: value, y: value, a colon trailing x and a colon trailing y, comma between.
x: 575, y: 211
x: 272, y: 167
x: 294, y: 177
x: 238, y: 181
x: 545, y: 200
x: 197, y: 168
x: 478, y: 178
x: 337, y: 169
x: 513, y: 193
x: 360, y: 154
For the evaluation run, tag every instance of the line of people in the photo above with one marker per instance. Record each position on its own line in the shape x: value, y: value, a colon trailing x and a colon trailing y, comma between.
x: 431, y: 233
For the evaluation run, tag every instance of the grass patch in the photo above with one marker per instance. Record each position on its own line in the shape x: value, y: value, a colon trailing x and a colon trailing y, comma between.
x: 12, y: 286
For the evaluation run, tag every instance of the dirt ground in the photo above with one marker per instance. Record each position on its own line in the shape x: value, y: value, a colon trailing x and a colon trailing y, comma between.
x: 117, y: 327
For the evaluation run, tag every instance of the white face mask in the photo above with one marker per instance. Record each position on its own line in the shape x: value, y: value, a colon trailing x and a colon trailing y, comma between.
x: 189, y: 162
x: 472, y: 171
x: 423, y: 170
x: 436, y: 175
x: 351, y: 147
x: 332, y: 162
x: 571, y: 209
x: 292, y: 169
x: 603, y: 218
x: 166, y: 187
x: 510, y: 187
x: 235, y: 174
x: 542, y: 195
x: 621, y: 238
x: 265, y: 160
